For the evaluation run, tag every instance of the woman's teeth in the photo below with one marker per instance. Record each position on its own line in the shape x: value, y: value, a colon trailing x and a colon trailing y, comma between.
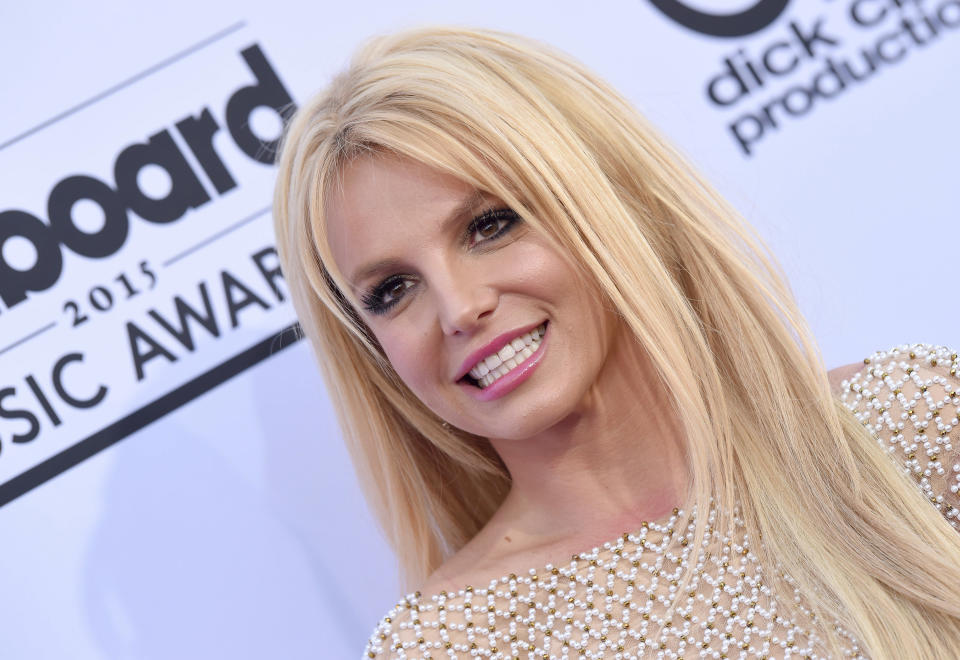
x: 500, y: 363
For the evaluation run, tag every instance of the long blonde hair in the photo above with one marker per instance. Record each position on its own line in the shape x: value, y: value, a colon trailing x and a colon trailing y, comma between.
x: 515, y: 119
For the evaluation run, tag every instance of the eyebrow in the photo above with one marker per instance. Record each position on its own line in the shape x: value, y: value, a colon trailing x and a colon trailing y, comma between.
x: 468, y: 205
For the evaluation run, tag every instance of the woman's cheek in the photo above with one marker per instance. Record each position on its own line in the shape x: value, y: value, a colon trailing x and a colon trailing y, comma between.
x: 408, y: 360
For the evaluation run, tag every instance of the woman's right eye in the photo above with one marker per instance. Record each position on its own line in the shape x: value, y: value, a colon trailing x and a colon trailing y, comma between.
x: 386, y: 294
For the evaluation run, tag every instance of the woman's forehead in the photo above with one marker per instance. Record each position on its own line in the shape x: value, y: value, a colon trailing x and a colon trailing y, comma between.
x: 370, y: 180
x: 389, y: 202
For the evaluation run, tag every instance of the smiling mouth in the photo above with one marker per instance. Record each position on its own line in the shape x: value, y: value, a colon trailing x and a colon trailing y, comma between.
x: 493, y: 367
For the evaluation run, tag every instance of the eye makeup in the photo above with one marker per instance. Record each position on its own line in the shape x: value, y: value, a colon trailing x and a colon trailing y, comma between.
x: 486, y: 228
x: 386, y: 294
x: 499, y: 220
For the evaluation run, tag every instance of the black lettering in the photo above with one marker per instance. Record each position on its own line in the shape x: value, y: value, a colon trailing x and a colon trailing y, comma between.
x: 231, y: 285
x: 61, y: 390
x: 809, y: 40
x: 947, y: 20
x: 898, y: 51
x: 198, y: 132
x: 790, y: 64
x: 728, y: 79
x: 910, y: 28
x: 15, y: 283
x: 934, y: 31
x: 184, y: 313
x: 746, y: 130
x: 767, y: 113
x: 753, y: 19
x: 155, y: 348
x: 270, y: 273
x: 821, y: 80
x: 752, y: 70
x: 861, y: 75
x: 865, y: 18
x: 115, y: 223
x: 79, y: 317
x: 268, y: 92
x: 30, y: 418
x: 101, y: 298
x: 801, y: 108
x: 186, y: 191
x: 42, y: 398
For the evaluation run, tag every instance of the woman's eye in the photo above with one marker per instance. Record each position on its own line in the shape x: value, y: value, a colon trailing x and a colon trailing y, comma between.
x: 491, y: 225
x: 488, y: 226
x: 394, y: 291
x: 488, y: 229
x: 386, y: 294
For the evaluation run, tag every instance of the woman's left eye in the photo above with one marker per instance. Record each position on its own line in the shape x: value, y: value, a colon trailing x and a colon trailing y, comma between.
x: 490, y: 225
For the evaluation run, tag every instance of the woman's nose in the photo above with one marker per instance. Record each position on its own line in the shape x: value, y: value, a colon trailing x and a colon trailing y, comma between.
x: 463, y: 301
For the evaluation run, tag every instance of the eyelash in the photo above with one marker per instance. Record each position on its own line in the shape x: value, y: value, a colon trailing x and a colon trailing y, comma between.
x: 373, y: 301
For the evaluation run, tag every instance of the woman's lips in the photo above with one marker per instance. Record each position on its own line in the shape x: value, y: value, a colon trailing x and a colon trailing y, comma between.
x: 493, y: 347
x: 512, y: 379
x: 511, y: 356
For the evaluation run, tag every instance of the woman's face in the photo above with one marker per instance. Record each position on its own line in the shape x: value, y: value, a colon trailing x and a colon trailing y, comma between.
x: 480, y: 315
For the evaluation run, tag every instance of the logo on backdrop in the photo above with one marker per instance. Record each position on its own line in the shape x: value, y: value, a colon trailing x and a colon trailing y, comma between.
x: 740, y: 24
x: 48, y: 239
x: 763, y: 87
x: 112, y: 335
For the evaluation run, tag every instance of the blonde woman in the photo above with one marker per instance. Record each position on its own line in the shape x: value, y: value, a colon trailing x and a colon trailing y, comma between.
x: 580, y: 398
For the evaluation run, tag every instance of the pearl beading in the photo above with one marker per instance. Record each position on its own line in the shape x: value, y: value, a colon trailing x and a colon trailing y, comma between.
x: 909, y: 400
x: 614, y: 601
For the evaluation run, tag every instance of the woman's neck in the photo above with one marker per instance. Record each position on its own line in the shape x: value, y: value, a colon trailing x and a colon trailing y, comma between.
x: 619, y: 459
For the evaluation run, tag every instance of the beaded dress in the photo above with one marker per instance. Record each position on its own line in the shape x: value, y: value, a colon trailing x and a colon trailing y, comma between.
x: 612, y: 601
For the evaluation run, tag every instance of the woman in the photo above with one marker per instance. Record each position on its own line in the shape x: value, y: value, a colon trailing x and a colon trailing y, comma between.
x: 545, y: 335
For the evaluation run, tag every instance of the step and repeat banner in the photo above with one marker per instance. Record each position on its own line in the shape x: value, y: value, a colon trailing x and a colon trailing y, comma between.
x: 172, y: 480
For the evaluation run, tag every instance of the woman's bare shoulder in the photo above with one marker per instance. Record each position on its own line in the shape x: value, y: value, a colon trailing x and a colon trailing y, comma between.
x: 499, y: 549
x: 839, y: 374
x: 469, y: 566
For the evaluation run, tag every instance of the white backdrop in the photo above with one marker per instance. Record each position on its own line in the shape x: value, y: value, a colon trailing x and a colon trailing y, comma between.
x: 172, y: 482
